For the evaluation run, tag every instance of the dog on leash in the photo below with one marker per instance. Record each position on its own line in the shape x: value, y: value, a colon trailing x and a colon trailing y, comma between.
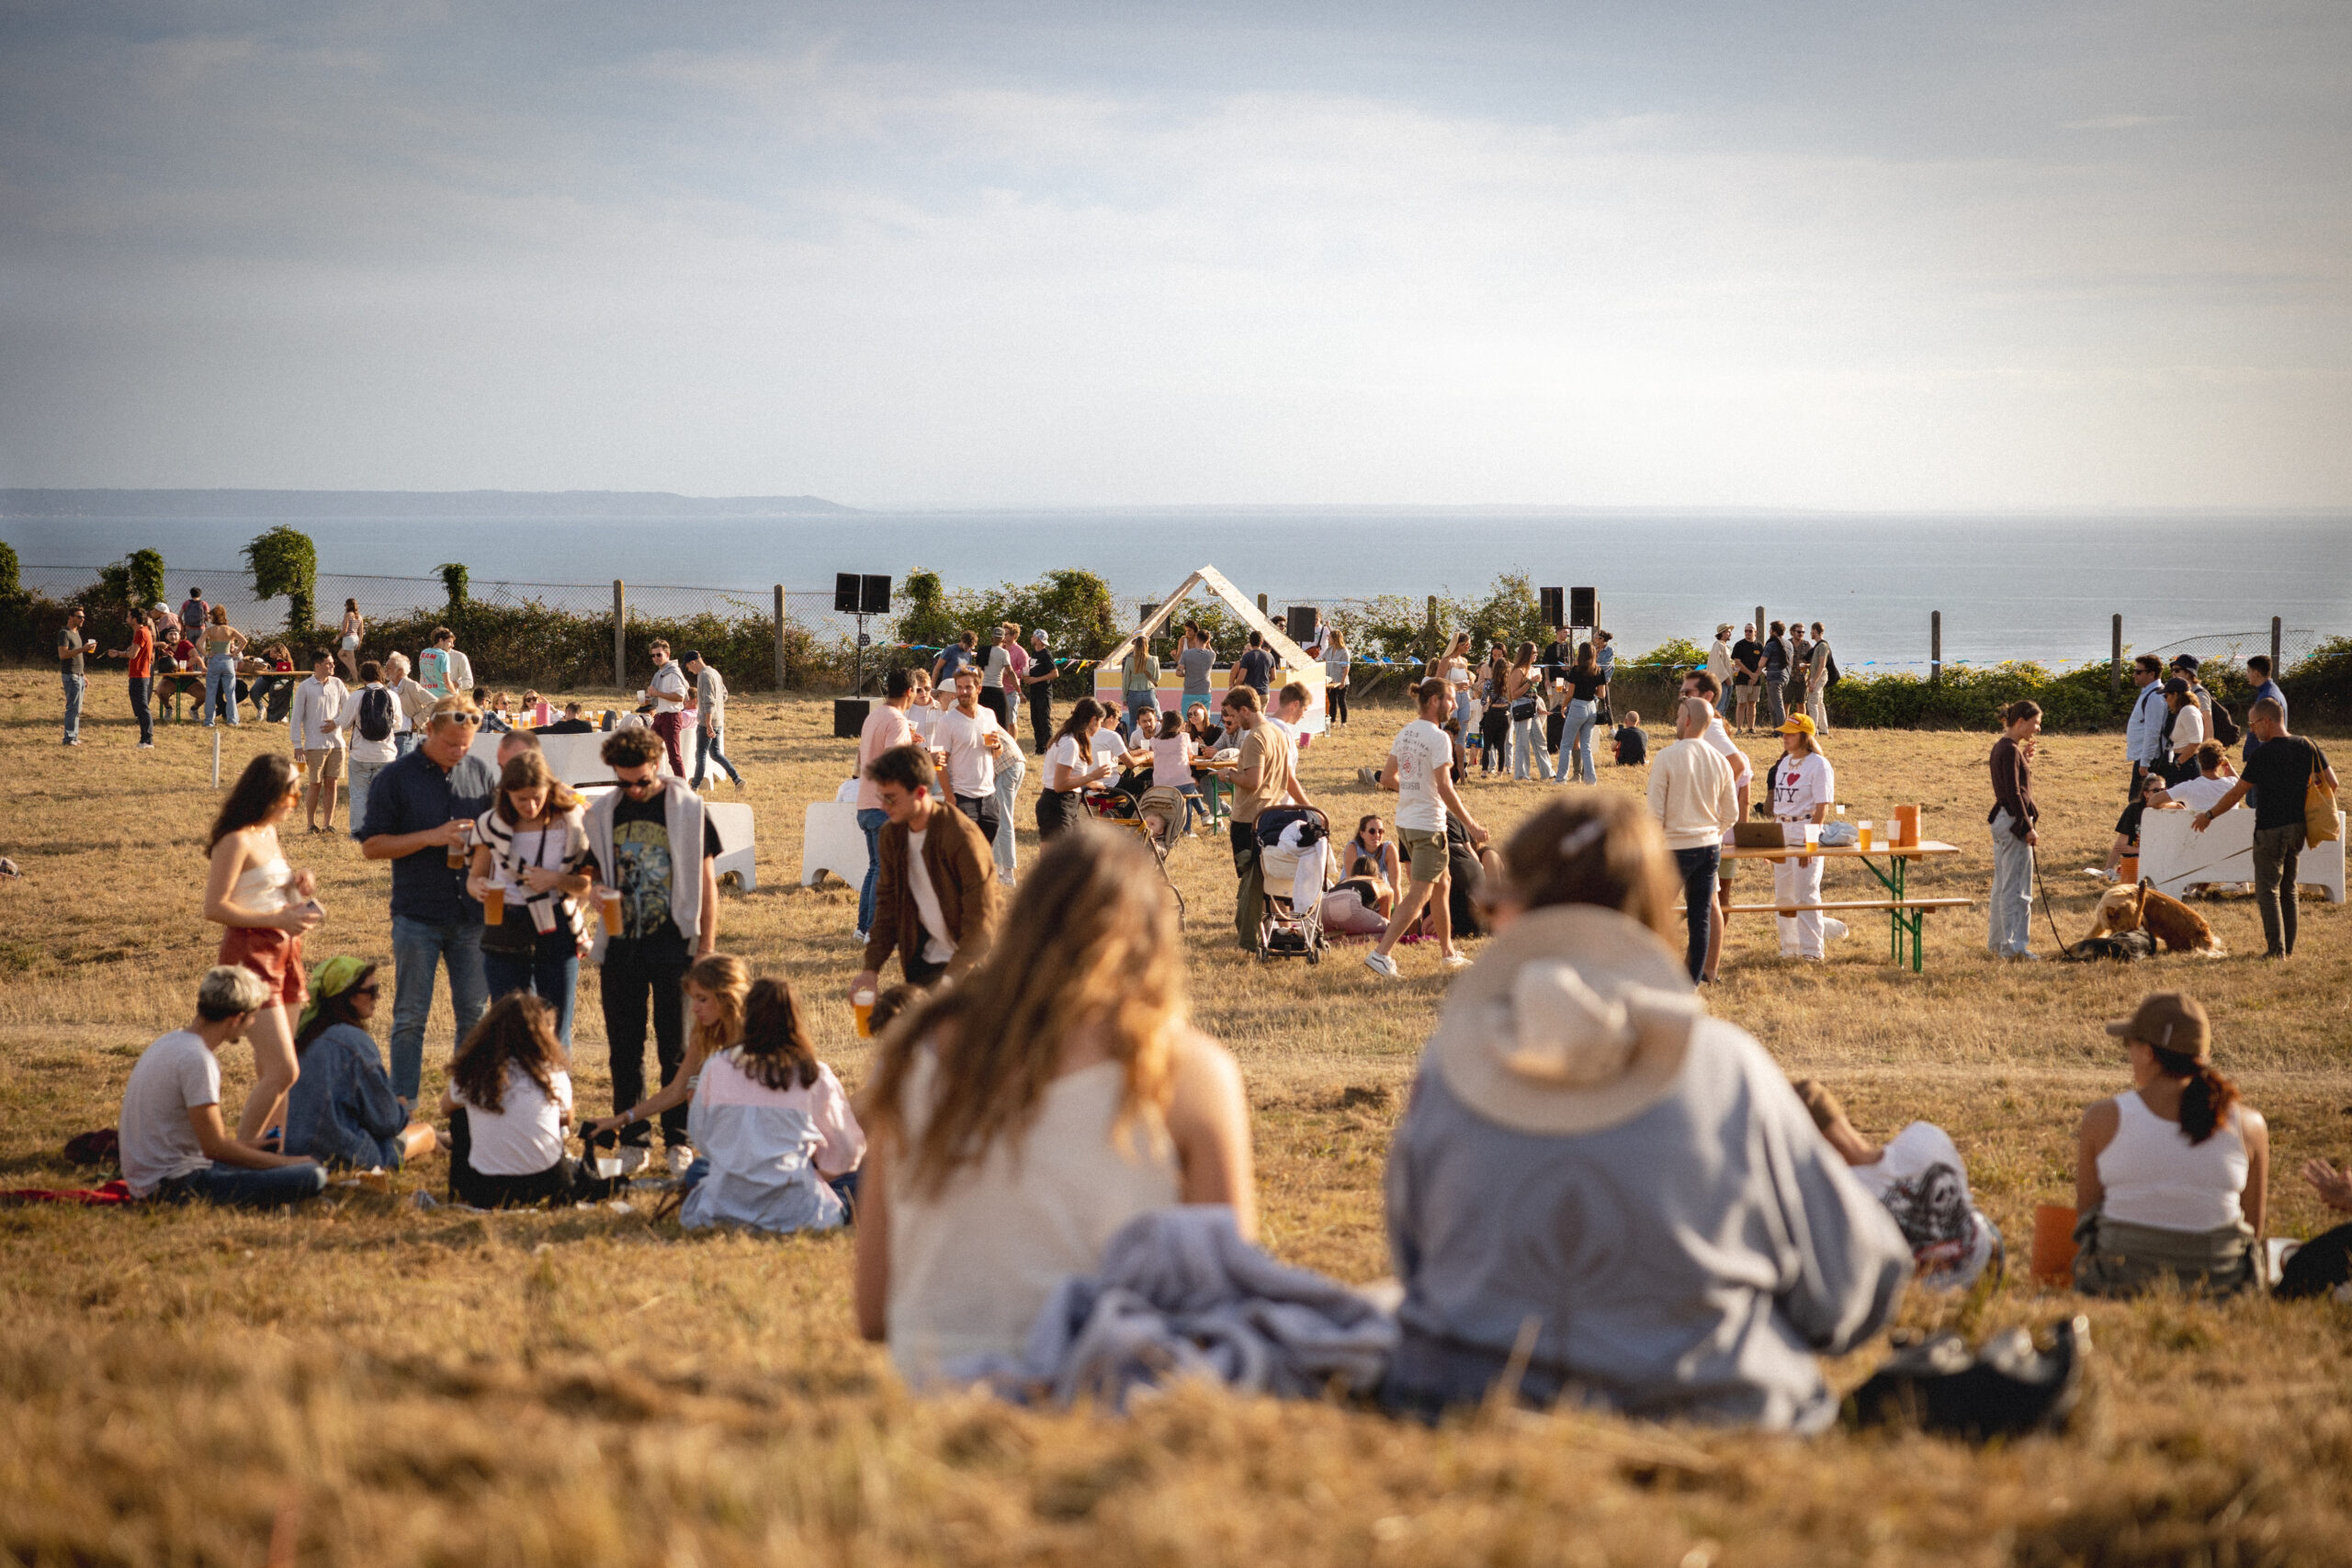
x: 2126, y: 948
x: 2175, y: 927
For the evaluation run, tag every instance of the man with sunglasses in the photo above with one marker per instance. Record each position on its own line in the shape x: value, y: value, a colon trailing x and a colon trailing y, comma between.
x: 421, y: 806
x: 651, y: 841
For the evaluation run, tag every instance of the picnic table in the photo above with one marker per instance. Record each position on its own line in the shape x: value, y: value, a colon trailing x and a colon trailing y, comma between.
x: 1905, y: 917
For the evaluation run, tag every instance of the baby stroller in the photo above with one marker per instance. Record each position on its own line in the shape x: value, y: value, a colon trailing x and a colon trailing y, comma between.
x: 1294, y: 867
x: 1117, y: 808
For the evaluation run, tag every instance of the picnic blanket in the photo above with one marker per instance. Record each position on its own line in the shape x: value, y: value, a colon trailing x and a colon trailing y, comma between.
x: 112, y: 1193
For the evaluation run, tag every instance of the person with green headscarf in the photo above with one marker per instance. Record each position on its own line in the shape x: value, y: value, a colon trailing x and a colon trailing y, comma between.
x: 342, y: 1111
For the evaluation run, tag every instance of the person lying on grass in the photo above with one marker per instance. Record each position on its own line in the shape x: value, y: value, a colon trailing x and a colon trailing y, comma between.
x: 779, y: 1143
x: 509, y: 1102
x: 1602, y: 1191
x: 1021, y: 1115
x: 174, y: 1144
x: 342, y: 1111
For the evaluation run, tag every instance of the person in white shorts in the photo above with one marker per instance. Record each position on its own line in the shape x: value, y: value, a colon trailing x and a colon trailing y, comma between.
x: 1421, y: 769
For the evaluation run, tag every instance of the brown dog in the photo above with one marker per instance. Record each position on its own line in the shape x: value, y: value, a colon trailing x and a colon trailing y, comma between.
x: 2131, y: 907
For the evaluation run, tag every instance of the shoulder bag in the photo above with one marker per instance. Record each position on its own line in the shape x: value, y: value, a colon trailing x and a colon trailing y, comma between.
x: 2320, y: 825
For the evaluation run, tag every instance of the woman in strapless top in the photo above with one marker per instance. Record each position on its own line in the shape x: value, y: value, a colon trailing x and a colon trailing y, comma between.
x: 267, y: 906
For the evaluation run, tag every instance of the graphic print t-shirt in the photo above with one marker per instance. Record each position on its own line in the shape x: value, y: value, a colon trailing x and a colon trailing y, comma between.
x: 1800, y: 783
x: 643, y: 867
x: 1422, y: 752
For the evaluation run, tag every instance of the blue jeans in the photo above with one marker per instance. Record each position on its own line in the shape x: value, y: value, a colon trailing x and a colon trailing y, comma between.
x: 707, y: 744
x: 1007, y: 790
x: 2010, y: 920
x: 869, y: 822
x: 1697, y: 868
x: 403, y: 744
x: 1527, y: 745
x: 552, y: 976
x: 1140, y: 702
x: 845, y: 1186
x: 1576, y: 743
x: 237, y: 1188
x: 75, y: 686
x: 221, y: 687
x: 416, y: 949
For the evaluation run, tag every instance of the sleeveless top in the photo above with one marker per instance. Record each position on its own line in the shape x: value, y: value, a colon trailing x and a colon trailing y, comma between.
x: 2154, y: 1176
x: 268, y: 887
x: 971, y: 1265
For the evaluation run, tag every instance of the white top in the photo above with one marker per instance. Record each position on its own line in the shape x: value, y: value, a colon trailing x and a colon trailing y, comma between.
x: 668, y: 688
x: 2200, y: 793
x: 841, y: 1141
x: 525, y: 1136
x: 175, y: 1076
x: 2155, y: 1176
x: 1064, y: 753
x: 971, y: 1265
x: 971, y: 771
x: 1422, y: 752
x: 317, y: 712
x: 2188, y: 728
x: 1800, y: 783
x: 1743, y: 772
x: 1914, y: 1152
x: 268, y: 887
x: 1171, y: 762
x: 937, y: 947
x: 1690, y: 796
x: 375, y: 753
x: 924, y: 719
x: 1719, y: 661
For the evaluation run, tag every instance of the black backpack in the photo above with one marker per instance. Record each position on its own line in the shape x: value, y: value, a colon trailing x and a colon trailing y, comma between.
x: 2226, y: 729
x: 1836, y: 674
x: 375, y: 714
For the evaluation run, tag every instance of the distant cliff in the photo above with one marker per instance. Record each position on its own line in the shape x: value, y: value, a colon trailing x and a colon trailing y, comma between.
x: 295, y: 505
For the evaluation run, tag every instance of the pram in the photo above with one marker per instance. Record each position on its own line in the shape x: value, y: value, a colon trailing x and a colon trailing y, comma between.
x: 1290, y: 914
x: 1117, y: 808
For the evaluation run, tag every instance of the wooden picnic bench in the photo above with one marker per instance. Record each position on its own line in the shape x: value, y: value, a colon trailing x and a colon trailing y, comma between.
x: 1905, y: 917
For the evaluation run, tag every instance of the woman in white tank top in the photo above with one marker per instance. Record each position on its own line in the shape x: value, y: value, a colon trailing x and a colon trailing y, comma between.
x: 2173, y: 1177
x: 264, y: 906
x: 1023, y: 1115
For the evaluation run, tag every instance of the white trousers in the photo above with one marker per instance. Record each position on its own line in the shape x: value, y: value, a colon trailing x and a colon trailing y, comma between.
x: 1799, y: 883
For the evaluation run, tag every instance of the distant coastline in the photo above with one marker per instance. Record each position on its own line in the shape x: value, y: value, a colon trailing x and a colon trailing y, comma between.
x: 320, y: 506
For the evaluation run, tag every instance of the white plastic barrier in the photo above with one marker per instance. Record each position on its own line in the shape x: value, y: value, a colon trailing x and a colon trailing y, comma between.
x: 831, y: 841
x: 2174, y: 855
x: 577, y: 760
x: 735, y: 846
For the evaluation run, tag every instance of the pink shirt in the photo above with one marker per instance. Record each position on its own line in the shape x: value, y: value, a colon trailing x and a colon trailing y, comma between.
x: 885, y: 726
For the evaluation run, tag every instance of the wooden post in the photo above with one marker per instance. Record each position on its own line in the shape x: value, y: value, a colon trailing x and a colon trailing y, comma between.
x: 2275, y: 671
x: 779, y: 637
x: 620, y: 636
x: 2115, y: 659
x: 1761, y: 623
x: 1261, y: 603
x: 1935, y: 644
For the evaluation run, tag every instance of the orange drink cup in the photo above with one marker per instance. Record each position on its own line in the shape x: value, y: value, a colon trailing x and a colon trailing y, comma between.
x: 1863, y: 827
x: 861, y: 1003
x: 494, y: 904
x: 609, y: 900
x: 2053, y: 1244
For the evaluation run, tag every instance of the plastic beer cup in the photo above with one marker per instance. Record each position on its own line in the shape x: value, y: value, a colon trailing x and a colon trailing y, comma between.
x: 462, y: 848
x: 494, y: 904
x: 862, y: 1002
x: 1863, y: 827
x: 609, y: 900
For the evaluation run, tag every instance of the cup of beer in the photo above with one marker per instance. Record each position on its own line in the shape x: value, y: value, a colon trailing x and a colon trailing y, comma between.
x: 861, y: 1003
x: 608, y: 900
x: 494, y: 904
x: 1863, y: 827
x: 463, y: 848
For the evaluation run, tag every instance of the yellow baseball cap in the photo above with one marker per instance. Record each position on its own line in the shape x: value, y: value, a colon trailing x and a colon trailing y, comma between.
x: 1798, y: 724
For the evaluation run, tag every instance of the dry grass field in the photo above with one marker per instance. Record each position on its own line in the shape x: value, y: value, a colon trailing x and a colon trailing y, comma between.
x: 365, y: 1383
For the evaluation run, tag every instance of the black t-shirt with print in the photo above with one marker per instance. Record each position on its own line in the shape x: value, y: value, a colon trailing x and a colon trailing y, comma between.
x: 1747, y: 654
x: 642, y: 866
x: 2280, y: 772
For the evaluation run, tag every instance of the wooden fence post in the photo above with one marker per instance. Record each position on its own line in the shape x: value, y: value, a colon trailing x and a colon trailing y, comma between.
x: 2274, y: 648
x: 2115, y: 659
x: 779, y: 637
x: 620, y: 636
x: 1761, y: 623
x: 1261, y: 603
x: 1935, y: 644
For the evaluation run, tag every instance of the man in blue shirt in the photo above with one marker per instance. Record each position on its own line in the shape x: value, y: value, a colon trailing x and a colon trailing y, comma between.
x: 420, y: 809
x: 2265, y: 689
x: 2143, y: 743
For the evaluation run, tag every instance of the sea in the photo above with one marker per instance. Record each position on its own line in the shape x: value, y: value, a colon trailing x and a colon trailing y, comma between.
x: 2008, y: 587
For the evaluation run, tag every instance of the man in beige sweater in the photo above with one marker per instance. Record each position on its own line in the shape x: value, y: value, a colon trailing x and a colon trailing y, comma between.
x: 1692, y: 796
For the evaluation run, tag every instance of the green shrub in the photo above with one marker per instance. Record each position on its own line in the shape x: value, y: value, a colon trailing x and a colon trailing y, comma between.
x: 1972, y: 697
x: 284, y: 561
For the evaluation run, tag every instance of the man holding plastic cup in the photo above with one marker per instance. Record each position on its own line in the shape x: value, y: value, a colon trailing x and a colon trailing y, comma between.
x: 420, y: 807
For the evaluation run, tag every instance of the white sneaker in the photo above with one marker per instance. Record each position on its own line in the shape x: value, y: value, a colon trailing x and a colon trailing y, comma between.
x: 1455, y: 961
x: 1832, y: 927
x: 679, y: 1156
x: 1381, y: 965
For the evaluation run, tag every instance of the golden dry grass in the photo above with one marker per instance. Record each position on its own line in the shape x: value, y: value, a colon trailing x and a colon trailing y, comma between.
x: 366, y: 1384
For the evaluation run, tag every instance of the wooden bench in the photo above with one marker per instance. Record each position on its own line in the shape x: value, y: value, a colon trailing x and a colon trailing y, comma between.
x: 1853, y: 904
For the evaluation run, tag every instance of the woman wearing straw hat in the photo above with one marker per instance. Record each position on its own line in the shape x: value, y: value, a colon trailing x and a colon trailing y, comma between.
x: 1603, y: 1194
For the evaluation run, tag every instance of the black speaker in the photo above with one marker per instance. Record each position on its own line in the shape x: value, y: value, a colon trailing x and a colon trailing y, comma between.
x: 1301, y: 621
x: 849, y: 715
x: 1555, y: 605
x: 845, y: 593
x: 1584, y: 607
x: 874, y: 597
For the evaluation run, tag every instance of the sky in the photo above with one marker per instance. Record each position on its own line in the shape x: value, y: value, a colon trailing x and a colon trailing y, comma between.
x: 1872, y: 256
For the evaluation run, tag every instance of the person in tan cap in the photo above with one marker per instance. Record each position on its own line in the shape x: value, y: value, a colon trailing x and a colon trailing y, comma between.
x: 1606, y: 1192
x: 2174, y: 1176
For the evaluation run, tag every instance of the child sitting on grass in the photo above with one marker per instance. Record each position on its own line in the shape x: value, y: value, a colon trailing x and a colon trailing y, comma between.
x: 1633, y: 746
x: 508, y: 1102
x: 781, y: 1142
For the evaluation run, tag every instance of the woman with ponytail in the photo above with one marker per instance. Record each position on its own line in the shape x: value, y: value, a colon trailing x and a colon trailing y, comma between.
x: 2174, y: 1176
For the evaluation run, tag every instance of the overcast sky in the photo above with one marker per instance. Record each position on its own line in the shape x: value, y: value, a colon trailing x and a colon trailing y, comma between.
x: 971, y: 254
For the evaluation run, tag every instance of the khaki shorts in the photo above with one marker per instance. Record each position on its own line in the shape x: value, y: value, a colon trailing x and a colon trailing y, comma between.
x: 1425, y: 855
x: 325, y: 766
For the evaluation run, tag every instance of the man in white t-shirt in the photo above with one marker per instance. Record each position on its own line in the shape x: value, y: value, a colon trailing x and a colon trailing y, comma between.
x: 173, y: 1141
x: 1421, y: 769
x: 1702, y: 684
x: 972, y: 739
x: 2214, y: 780
x: 371, y: 722
x: 667, y: 691
x: 1803, y: 785
x: 316, y: 725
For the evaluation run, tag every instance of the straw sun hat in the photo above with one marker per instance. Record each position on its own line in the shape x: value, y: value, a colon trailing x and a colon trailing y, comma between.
x: 1575, y: 1019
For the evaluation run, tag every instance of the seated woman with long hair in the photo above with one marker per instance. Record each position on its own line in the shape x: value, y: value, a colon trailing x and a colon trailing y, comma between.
x: 2173, y: 1176
x: 1023, y: 1115
x: 781, y: 1143
x: 509, y: 1103
x: 342, y: 1111
x: 716, y: 989
x: 1601, y: 1191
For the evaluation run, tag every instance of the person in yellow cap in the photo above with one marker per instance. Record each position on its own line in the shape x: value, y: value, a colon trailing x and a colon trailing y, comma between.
x: 1803, y: 785
x: 2172, y: 1177
x: 342, y: 1111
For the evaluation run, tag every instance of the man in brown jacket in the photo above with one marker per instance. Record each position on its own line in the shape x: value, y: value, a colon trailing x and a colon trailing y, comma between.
x: 935, y: 888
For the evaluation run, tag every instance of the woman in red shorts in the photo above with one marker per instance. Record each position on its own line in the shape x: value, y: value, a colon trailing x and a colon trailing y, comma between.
x: 267, y: 905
